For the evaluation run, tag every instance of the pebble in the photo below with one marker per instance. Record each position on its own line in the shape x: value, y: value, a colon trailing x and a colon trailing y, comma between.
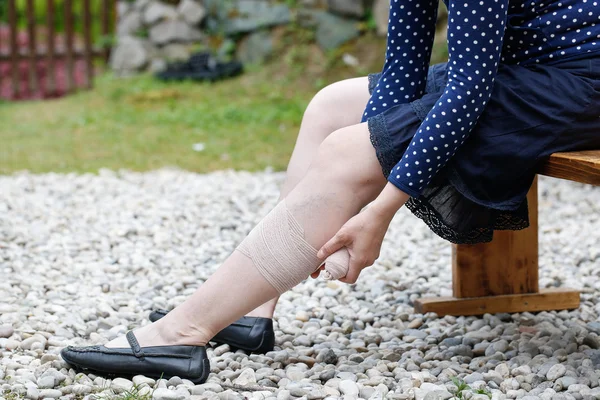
x: 302, y: 316
x: 210, y: 387
x: 182, y: 392
x: 174, y: 381
x: 50, y: 393
x: 564, y: 383
x: 29, y: 342
x: 164, y: 394
x: 10, y: 344
x: 556, y: 372
x: 297, y: 391
x: 521, y: 370
x: 45, y: 382
x: 349, y: 388
x: 327, y: 356
x: 436, y: 395
x: 219, y: 351
x: 592, y: 341
x: 247, y: 377
x: 503, y: 370
x: 139, y: 241
x: 81, y: 389
x: 415, y: 323
x: 120, y: 385
x: 327, y: 375
x: 101, y: 382
x: 32, y: 393
x: 295, y: 374
x: 141, y: 380
x: 46, y: 358
x: 302, y: 341
x: 474, y: 377
x: 594, y: 327
x: 500, y: 346
x: 6, y: 331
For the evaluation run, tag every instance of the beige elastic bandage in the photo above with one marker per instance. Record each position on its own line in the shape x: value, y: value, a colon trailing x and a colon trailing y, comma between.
x: 283, y: 257
x: 337, y: 264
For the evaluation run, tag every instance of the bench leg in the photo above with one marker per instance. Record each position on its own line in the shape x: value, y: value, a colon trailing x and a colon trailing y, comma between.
x: 500, y: 276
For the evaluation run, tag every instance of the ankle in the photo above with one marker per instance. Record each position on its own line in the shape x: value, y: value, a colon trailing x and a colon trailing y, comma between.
x: 265, y: 311
x: 260, y: 314
x: 183, y: 334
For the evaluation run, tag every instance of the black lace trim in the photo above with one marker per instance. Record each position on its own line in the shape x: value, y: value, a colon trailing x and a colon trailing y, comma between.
x: 373, y: 80
x: 503, y: 220
x: 419, y: 109
x: 382, y: 142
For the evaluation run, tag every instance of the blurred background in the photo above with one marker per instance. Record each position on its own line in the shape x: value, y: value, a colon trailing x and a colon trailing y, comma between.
x: 80, y: 85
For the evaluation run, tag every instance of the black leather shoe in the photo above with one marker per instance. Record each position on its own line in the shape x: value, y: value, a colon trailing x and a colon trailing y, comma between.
x: 252, y: 334
x: 188, y: 362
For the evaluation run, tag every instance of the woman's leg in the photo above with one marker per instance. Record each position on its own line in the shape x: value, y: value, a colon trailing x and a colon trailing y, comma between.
x: 335, y: 107
x: 344, y: 176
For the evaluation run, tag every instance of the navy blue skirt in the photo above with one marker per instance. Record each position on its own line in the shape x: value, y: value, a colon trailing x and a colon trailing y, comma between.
x: 534, y: 111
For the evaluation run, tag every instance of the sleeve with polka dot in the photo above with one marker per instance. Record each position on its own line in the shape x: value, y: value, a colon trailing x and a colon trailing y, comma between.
x: 475, y: 37
x: 411, y: 29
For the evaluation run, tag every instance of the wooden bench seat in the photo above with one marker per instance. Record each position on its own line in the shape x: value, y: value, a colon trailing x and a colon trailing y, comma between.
x: 578, y: 166
x: 502, y: 276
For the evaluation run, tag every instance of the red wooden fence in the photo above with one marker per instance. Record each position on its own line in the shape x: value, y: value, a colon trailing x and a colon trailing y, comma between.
x: 60, y: 62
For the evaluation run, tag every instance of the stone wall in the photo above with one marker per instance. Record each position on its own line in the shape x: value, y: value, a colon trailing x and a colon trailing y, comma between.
x: 152, y: 32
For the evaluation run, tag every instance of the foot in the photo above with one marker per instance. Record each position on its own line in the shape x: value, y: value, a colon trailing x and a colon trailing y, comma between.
x: 176, y: 330
x: 251, y: 334
x: 184, y: 361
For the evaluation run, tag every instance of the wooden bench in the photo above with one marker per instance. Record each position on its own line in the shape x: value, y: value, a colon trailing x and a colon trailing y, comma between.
x: 502, y: 276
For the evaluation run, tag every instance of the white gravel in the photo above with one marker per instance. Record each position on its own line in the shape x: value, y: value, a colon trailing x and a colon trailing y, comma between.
x: 83, y: 258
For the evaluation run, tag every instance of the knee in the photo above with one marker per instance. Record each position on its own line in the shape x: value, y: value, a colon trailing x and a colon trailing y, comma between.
x: 324, y: 109
x: 341, y: 159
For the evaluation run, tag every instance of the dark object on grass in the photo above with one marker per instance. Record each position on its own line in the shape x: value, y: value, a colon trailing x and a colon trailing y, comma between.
x: 201, y: 67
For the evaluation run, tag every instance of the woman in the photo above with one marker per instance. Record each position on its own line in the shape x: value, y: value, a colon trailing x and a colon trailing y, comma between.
x: 458, y: 143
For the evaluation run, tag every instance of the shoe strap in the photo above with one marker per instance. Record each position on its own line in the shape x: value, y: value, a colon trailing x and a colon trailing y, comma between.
x: 135, y: 346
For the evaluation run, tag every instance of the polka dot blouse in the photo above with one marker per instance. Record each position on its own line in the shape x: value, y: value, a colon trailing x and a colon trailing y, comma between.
x: 481, y: 34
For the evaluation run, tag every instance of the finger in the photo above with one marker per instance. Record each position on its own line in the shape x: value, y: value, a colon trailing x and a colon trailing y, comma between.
x: 333, y: 245
x: 354, y: 270
x: 351, y: 277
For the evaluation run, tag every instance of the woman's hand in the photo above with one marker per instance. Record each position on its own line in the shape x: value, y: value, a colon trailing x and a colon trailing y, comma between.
x: 363, y: 234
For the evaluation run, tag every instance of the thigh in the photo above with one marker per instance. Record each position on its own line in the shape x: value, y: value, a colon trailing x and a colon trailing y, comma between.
x: 335, y: 107
x: 338, y: 105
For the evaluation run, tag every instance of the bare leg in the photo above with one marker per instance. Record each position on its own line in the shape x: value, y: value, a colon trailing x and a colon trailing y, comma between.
x: 344, y: 177
x: 335, y: 107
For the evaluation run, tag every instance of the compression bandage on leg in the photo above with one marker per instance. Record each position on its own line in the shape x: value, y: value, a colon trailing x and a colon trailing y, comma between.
x: 337, y: 265
x: 283, y: 257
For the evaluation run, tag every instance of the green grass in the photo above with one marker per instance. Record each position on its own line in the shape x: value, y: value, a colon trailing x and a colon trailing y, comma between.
x: 250, y: 122
x: 140, y: 124
x: 462, y: 389
x: 135, y: 393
